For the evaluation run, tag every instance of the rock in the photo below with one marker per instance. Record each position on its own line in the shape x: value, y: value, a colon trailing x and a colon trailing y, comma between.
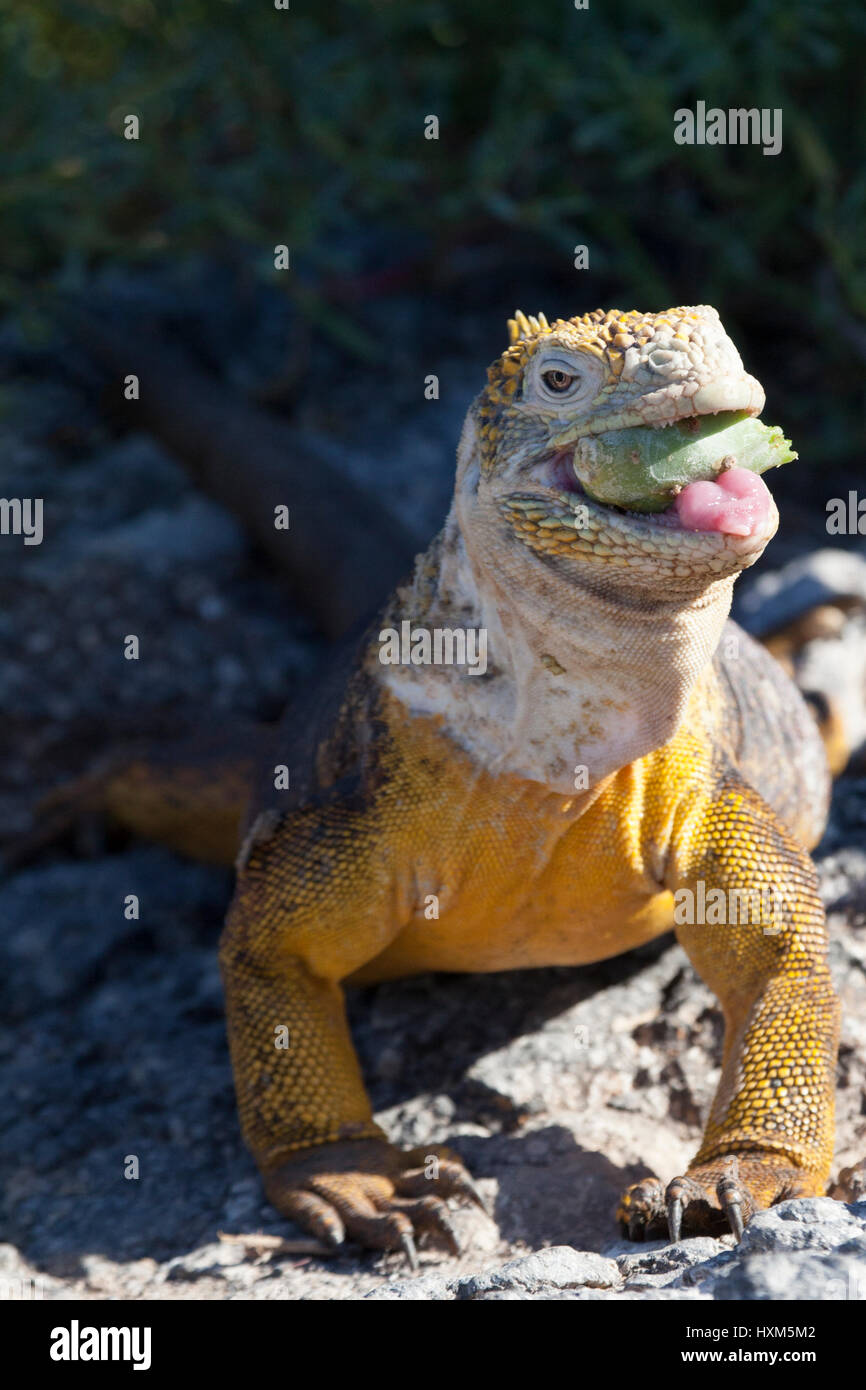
x: 425, y: 1288
x: 20, y: 1282
x: 197, y: 532
x: 659, y: 1264
x: 813, y: 1223
x: 835, y: 667
x: 811, y: 1277
x: 812, y: 1248
x: 548, y: 1273
x: 557, y: 1267
x: 828, y: 654
x: 773, y: 598
x: 207, y: 1259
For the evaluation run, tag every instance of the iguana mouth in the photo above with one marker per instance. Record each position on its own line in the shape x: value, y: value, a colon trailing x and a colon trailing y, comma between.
x: 732, y: 501
x: 736, y: 502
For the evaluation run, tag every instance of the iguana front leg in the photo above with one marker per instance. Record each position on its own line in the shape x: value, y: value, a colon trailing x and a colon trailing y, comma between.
x: 310, y: 908
x: 770, y: 1131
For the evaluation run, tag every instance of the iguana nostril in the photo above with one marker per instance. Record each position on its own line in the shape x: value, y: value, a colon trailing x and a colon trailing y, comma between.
x: 662, y: 358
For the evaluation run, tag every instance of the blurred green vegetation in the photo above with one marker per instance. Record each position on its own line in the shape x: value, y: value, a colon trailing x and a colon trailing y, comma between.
x: 305, y: 126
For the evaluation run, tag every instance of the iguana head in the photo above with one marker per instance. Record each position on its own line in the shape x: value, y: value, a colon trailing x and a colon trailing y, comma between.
x: 556, y: 384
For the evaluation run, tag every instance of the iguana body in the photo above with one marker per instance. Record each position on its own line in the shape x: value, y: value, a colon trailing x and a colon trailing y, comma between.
x: 623, y: 744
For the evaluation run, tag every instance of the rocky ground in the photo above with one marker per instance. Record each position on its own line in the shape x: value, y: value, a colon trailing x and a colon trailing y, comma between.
x: 558, y: 1087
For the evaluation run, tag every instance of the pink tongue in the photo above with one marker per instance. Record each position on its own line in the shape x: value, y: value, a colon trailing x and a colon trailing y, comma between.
x: 738, y: 503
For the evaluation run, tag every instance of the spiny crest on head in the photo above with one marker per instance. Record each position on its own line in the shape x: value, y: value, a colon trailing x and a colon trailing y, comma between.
x: 525, y: 331
x: 601, y: 330
x: 524, y: 326
x: 503, y: 379
x: 606, y: 333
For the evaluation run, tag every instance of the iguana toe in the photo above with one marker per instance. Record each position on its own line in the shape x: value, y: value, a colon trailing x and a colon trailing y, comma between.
x: 711, y: 1199
x: 372, y: 1193
x: 452, y: 1179
x: 641, y: 1213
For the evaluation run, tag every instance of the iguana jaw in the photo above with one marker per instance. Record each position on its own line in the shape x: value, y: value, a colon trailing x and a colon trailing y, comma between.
x: 553, y: 517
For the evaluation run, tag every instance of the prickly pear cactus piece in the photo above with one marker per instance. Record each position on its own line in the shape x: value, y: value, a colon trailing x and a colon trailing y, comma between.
x: 643, y: 469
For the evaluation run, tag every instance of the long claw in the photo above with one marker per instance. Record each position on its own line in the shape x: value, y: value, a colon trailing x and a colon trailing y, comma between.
x: 731, y: 1198
x: 467, y: 1188
x: 675, y: 1217
x: 408, y: 1247
x: 430, y: 1216
x: 446, y: 1229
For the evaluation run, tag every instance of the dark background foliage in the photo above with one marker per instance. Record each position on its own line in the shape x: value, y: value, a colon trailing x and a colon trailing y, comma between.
x: 306, y: 127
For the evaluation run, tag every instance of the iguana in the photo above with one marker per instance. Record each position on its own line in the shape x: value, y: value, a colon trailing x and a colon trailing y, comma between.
x: 625, y: 742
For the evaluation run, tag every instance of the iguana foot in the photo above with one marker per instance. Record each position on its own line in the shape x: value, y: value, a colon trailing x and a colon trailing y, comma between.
x: 850, y: 1186
x: 711, y: 1199
x: 368, y: 1191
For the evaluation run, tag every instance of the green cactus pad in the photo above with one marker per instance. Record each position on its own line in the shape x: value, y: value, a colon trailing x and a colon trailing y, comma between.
x: 643, y: 469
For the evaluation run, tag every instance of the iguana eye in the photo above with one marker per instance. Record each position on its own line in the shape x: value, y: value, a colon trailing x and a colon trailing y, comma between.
x: 558, y: 380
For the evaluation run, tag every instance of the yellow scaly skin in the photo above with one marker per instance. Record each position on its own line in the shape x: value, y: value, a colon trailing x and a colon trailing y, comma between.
x: 609, y: 653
